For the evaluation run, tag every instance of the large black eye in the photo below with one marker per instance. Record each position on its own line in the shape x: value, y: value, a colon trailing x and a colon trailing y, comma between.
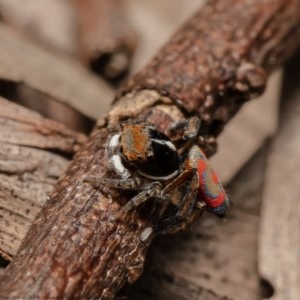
x: 157, y: 135
x: 164, y: 163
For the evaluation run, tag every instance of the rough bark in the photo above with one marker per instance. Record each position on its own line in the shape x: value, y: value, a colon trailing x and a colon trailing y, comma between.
x: 34, y: 152
x: 73, y: 248
x: 210, y: 69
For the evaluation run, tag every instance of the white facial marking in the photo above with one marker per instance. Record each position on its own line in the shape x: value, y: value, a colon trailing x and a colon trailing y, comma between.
x: 168, y: 143
x: 159, y: 177
x: 146, y: 234
x: 114, y: 141
x: 118, y: 166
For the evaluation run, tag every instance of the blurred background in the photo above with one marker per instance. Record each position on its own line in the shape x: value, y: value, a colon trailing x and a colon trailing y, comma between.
x: 66, y: 58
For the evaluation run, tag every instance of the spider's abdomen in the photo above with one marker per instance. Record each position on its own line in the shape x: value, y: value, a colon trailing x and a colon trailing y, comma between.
x: 211, y: 190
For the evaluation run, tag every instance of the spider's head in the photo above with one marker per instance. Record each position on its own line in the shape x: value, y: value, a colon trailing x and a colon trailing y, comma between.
x: 151, y: 152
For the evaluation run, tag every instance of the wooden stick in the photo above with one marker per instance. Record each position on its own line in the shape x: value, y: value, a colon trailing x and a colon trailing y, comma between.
x: 49, y: 22
x: 73, y: 248
x: 60, y: 78
x: 279, y: 239
x: 29, y: 168
x: 106, y: 40
x: 221, y: 57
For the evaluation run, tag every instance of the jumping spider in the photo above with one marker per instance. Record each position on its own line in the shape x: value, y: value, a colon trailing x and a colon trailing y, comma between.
x: 148, y: 162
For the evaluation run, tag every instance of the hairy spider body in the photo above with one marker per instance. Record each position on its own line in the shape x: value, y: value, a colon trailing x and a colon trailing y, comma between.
x: 148, y: 151
x: 148, y: 162
x: 144, y: 159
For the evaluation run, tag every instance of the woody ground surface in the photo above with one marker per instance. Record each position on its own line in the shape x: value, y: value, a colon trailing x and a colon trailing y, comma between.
x: 253, y: 254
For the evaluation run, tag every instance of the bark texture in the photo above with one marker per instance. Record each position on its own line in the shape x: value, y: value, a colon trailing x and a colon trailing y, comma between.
x: 218, y: 60
x: 33, y: 155
x: 222, y: 57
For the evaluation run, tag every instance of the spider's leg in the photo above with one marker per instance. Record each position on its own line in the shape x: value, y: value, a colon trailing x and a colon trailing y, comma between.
x: 189, y: 129
x: 130, y: 183
x: 155, y: 190
x: 150, y: 190
x: 188, y: 209
x: 165, y: 197
x: 178, y: 182
x: 193, y: 132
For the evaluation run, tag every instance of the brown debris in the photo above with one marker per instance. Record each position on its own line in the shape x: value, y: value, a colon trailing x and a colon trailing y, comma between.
x: 57, y: 77
x: 49, y: 22
x: 75, y: 220
x: 208, y: 69
x: 279, y: 238
x: 106, y: 40
x: 28, y: 168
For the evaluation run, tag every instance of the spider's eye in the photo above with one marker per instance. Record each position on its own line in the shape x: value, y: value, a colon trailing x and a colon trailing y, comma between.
x: 163, y: 162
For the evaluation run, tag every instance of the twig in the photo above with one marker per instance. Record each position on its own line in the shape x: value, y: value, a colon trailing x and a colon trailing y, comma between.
x: 49, y: 22
x: 28, y: 168
x: 106, y: 40
x: 220, y: 59
x: 26, y: 64
x: 278, y: 235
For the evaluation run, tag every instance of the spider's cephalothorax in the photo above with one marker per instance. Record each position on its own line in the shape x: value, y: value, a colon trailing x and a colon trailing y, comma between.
x: 144, y: 160
x: 143, y: 148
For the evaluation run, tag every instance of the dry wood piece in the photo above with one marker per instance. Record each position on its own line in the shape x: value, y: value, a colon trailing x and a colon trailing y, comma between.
x: 106, y: 40
x: 155, y: 22
x: 74, y: 249
x: 229, y: 67
x: 163, y: 286
x: 254, y: 124
x: 60, y: 78
x: 279, y: 236
x: 50, y: 22
x: 28, y: 168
